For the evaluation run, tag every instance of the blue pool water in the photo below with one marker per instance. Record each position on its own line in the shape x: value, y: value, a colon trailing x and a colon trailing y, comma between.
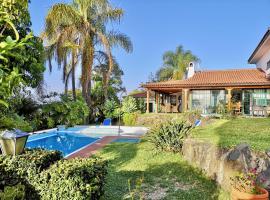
x: 67, y: 143
x: 127, y: 140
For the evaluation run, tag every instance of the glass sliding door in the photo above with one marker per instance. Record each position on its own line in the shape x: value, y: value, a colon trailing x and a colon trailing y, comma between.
x: 256, y: 102
x: 207, y: 100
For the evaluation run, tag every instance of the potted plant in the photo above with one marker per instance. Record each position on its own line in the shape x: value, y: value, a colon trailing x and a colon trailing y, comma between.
x: 246, y: 186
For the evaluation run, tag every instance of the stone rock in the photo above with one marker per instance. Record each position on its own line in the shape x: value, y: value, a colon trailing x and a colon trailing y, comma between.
x: 221, y: 164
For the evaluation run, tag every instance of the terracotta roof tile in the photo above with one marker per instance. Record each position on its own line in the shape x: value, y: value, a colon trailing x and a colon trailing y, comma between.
x: 218, y: 78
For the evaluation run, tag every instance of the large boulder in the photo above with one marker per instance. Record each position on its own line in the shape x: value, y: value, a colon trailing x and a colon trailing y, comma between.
x: 220, y: 164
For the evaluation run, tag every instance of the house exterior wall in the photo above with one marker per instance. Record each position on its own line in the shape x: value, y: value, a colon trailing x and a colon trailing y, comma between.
x: 262, y: 62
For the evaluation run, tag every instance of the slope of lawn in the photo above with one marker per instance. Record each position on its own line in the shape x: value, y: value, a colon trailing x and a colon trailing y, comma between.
x: 229, y: 133
x: 164, y: 175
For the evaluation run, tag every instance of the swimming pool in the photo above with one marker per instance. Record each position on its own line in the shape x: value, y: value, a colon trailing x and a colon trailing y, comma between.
x: 67, y: 143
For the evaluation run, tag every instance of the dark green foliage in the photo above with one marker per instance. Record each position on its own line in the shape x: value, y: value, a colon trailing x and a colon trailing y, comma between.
x: 141, y: 105
x: 30, y: 57
x: 24, y: 169
x: 11, y: 121
x: 66, y: 111
x: 16, y: 192
x: 130, y: 119
x: 111, y: 109
x: 74, y: 179
x: 30, y: 161
x: 39, y: 174
x: 169, y: 136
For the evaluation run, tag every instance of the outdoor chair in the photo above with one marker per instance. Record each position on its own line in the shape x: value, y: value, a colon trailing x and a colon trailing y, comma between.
x: 107, y: 122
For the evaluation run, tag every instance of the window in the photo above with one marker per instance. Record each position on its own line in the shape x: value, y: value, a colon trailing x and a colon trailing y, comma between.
x: 207, y: 100
x: 268, y: 65
x: 173, y: 100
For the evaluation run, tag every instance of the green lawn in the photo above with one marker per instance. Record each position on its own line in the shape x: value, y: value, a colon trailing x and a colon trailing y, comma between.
x: 165, y: 175
x: 229, y: 133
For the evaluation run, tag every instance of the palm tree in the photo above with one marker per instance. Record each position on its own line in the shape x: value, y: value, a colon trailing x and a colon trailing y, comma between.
x: 63, y: 46
x: 175, y: 63
x: 88, y: 19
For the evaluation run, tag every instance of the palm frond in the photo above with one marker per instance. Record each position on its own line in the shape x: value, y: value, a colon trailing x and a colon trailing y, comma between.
x: 120, y: 39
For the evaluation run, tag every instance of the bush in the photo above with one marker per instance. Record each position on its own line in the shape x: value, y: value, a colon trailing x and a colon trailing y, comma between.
x: 34, y: 160
x: 153, y: 119
x: 39, y: 174
x: 130, y: 119
x: 12, y: 121
x: 129, y: 105
x: 21, y: 171
x: 66, y: 111
x: 74, y: 179
x: 169, y: 136
x: 111, y: 109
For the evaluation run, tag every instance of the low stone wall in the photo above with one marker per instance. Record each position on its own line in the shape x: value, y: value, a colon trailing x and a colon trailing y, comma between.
x: 220, y: 164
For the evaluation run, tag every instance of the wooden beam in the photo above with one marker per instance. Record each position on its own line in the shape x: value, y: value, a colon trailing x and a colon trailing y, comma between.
x: 229, y: 98
x: 185, y: 100
x: 157, y: 101
x: 147, y: 100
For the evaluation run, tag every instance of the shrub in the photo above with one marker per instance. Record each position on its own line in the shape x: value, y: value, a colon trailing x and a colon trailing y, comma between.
x: 22, y: 171
x: 14, y: 121
x: 130, y: 119
x: 39, y: 174
x: 74, y: 179
x: 153, y: 119
x: 66, y: 112
x: 111, y: 109
x: 169, y: 136
x: 129, y: 105
x: 35, y: 160
x: 13, y: 192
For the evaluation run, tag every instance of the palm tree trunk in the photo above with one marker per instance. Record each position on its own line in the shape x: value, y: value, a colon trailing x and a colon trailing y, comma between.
x: 73, y: 75
x: 66, y: 86
x: 87, y: 63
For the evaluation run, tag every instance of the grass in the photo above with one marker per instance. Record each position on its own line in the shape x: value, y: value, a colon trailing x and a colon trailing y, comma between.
x: 229, y: 133
x: 165, y: 175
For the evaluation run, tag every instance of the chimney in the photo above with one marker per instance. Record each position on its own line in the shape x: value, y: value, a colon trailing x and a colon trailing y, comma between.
x: 190, y: 70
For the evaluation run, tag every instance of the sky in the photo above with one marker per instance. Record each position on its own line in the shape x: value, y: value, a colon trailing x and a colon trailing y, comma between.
x: 223, y: 34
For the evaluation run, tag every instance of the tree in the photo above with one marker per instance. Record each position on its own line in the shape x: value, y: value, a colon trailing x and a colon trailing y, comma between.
x: 88, y: 19
x: 114, y: 87
x: 30, y: 59
x: 10, y: 49
x: 64, y: 47
x: 175, y: 64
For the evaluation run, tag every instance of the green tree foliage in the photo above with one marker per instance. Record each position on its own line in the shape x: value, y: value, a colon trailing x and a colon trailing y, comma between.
x: 88, y: 19
x: 175, y: 64
x: 115, y: 86
x: 28, y: 60
x: 65, y: 111
x: 111, y: 109
x: 9, y: 49
x: 129, y: 105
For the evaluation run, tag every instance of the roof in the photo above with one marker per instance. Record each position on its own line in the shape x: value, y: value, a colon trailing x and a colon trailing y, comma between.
x: 218, y: 78
x: 139, y: 95
x: 261, y: 43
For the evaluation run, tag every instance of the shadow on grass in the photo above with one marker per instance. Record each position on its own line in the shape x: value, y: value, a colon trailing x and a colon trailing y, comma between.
x: 165, y: 175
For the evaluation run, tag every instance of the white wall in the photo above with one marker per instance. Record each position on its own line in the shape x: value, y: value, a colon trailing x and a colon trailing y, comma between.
x: 262, y: 63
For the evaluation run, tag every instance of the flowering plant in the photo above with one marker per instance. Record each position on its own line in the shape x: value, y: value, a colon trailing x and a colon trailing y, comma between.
x: 248, y: 182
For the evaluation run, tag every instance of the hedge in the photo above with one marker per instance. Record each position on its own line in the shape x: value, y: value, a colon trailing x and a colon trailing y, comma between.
x: 74, y: 179
x: 24, y: 169
x: 39, y: 174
